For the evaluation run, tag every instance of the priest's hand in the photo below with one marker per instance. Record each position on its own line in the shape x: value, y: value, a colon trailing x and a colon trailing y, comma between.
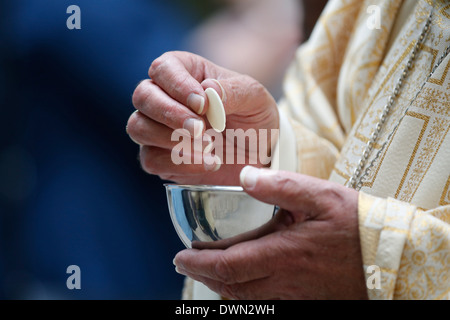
x: 312, y: 250
x: 174, y: 98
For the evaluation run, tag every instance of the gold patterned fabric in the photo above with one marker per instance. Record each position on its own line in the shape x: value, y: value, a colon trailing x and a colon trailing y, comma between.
x: 334, y: 93
x: 337, y: 89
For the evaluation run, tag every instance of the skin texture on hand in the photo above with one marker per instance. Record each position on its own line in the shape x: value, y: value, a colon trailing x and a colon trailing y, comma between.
x: 174, y: 98
x: 311, y: 250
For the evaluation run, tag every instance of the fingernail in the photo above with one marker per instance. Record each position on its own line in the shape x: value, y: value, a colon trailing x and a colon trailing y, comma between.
x: 212, y: 163
x: 195, y: 127
x: 196, y: 102
x: 224, y: 96
x: 249, y: 176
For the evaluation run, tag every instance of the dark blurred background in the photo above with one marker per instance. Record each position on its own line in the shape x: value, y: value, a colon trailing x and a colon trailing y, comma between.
x: 71, y: 188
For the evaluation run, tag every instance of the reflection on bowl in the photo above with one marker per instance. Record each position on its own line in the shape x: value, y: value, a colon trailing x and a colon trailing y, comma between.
x: 215, y: 216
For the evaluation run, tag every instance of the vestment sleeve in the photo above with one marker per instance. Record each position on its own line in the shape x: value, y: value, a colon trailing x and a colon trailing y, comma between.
x: 409, y: 247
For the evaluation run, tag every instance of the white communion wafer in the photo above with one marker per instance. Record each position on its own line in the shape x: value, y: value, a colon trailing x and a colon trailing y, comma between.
x: 216, y: 112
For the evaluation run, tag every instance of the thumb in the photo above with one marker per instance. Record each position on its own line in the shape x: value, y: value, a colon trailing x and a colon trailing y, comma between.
x: 239, y: 91
x: 291, y: 191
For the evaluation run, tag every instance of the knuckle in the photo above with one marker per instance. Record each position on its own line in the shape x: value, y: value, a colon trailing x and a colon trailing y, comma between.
x: 140, y: 130
x: 330, y: 191
x: 156, y: 65
x: 133, y: 124
x: 333, y: 198
x: 166, y: 71
x: 167, y: 113
x: 159, y: 64
x: 287, y: 185
x: 254, y: 85
x: 140, y: 95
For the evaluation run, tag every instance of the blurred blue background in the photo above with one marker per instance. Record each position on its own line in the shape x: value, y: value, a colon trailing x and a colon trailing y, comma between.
x: 71, y: 188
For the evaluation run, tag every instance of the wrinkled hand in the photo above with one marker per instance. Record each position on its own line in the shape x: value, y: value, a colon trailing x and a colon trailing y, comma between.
x: 175, y: 98
x: 311, y: 252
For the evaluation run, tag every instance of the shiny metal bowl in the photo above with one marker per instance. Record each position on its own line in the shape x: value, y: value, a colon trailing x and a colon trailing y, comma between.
x: 215, y: 216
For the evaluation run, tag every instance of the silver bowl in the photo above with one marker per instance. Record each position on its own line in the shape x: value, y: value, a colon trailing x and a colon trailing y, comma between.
x: 215, y: 216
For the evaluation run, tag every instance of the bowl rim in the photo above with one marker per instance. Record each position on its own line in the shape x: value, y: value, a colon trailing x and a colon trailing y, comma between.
x: 203, y: 187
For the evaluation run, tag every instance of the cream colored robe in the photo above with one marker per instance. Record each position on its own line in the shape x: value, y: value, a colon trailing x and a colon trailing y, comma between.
x: 334, y: 93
